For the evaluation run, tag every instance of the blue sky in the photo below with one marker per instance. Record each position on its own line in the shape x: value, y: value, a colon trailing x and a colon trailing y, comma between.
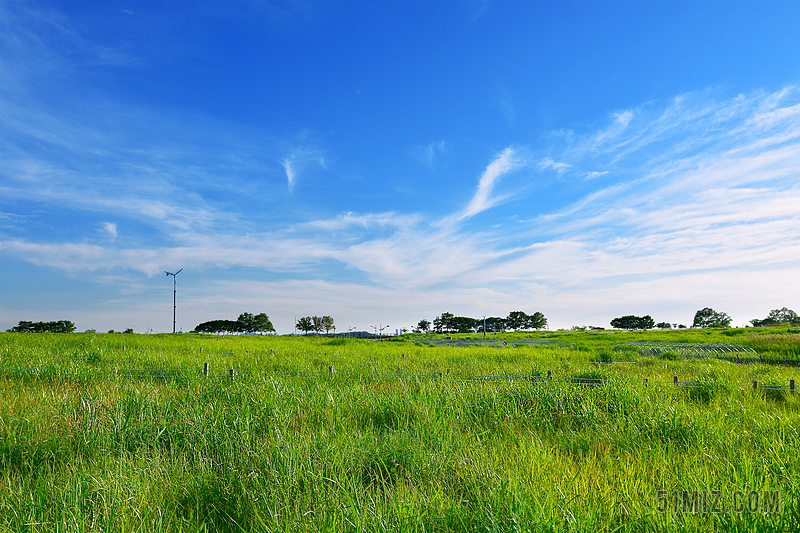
x: 384, y: 162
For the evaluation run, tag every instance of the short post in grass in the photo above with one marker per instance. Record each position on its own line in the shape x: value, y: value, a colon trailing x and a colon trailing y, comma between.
x: 675, y: 380
x: 791, y: 386
x: 331, y: 370
x: 205, y: 369
x: 646, y: 381
x: 232, y: 372
x: 755, y: 385
x: 549, y: 374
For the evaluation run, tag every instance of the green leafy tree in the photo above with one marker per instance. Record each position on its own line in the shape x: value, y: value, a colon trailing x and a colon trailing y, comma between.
x: 493, y: 324
x: 664, y: 325
x: 246, y: 323
x: 783, y: 315
x: 633, y: 322
x: 444, y: 323
x: 327, y: 323
x: 263, y: 324
x: 625, y: 322
x: 218, y: 327
x: 59, y: 326
x: 516, y: 320
x: 537, y: 321
x: 708, y: 318
x: 423, y: 326
x: 305, y: 324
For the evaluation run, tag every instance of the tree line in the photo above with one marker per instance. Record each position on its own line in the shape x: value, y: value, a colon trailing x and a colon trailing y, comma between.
x: 58, y: 326
x: 307, y: 324
x: 778, y: 316
x: 707, y: 318
x: 449, y: 323
x: 246, y: 323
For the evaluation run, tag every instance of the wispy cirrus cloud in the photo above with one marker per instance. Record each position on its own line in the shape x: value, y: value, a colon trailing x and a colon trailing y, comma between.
x: 430, y: 154
x: 507, y: 161
x: 298, y: 160
x: 548, y: 162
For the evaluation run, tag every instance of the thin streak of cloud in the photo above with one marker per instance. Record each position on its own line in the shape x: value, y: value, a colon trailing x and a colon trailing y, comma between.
x: 507, y: 161
x: 299, y: 159
x: 548, y: 162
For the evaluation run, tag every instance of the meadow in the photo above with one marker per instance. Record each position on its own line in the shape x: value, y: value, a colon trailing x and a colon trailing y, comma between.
x: 323, y: 434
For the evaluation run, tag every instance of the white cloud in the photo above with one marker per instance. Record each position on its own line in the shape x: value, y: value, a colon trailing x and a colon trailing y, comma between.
x: 595, y: 174
x: 504, y: 163
x: 289, y: 167
x: 548, y: 162
x: 111, y: 229
x: 429, y: 154
x: 298, y: 160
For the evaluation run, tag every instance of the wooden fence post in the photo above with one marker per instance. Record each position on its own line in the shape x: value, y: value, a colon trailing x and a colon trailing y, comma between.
x: 791, y: 386
x: 205, y: 369
x: 232, y: 372
x: 675, y: 380
x: 755, y: 385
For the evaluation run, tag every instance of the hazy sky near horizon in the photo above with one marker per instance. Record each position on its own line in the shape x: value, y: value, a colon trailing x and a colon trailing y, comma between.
x: 384, y: 162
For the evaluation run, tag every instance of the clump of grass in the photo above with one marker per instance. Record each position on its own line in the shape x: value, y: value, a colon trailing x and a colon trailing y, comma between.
x: 707, y: 386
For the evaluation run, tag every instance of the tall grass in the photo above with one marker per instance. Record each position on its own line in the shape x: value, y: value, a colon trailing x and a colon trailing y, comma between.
x: 382, y: 444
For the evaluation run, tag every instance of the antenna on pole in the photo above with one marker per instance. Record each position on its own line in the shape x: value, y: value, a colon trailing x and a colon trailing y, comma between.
x: 174, y: 294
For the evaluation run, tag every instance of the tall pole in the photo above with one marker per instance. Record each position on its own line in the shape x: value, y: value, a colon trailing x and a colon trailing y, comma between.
x: 174, y: 295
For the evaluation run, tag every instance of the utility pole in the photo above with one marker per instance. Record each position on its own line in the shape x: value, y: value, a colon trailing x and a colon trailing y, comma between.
x: 174, y: 294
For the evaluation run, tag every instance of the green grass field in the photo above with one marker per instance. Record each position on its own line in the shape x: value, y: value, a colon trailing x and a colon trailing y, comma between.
x: 386, y: 443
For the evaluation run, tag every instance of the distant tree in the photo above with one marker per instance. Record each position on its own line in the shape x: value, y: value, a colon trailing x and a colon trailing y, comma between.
x: 778, y: 316
x: 537, y: 321
x: 423, y: 326
x: 633, y: 322
x: 493, y: 324
x: 263, y: 324
x: 444, y: 323
x: 128, y: 331
x: 708, y: 318
x: 664, y: 325
x: 625, y: 322
x: 219, y: 327
x: 327, y: 323
x: 59, y: 326
x: 516, y: 320
x: 305, y: 324
x: 246, y: 323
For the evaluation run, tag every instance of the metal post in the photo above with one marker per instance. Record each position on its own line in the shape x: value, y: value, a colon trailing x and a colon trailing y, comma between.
x: 205, y: 369
x: 791, y: 386
x: 675, y: 380
x: 174, y: 294
x: 174, y: 300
